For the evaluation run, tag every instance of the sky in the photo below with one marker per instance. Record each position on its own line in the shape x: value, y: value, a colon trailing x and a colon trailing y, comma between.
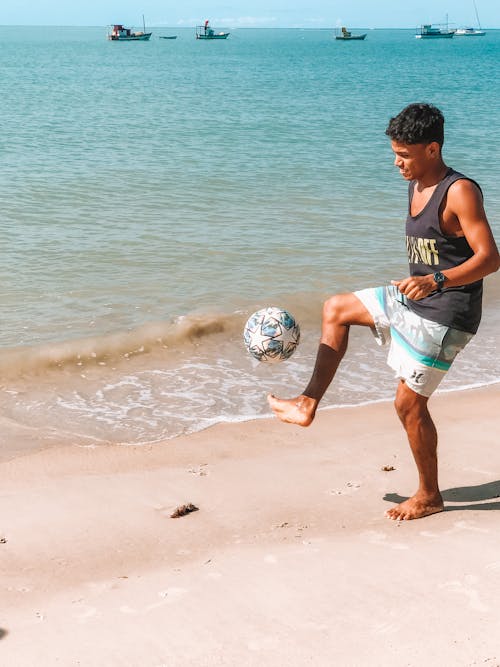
x: 251, y: 13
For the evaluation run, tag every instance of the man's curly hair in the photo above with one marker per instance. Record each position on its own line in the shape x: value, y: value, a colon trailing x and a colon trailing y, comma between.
x: 417, y: 124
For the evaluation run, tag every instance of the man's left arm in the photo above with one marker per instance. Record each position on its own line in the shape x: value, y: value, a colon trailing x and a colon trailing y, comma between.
x: 464, y: 203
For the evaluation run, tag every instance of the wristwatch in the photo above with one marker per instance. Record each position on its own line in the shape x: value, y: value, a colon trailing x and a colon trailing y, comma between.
x: 439, y: 279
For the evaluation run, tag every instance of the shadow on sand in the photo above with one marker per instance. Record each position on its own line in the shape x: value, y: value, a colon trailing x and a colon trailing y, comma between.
x: 3, y: 633
x: 474, y: 495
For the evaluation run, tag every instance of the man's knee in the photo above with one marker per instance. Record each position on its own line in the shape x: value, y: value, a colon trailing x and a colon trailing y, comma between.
x: 341, y: 309
x: 332, y: 308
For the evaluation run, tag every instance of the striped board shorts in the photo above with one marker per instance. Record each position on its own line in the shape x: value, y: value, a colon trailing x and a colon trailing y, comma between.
x: 420, y: 351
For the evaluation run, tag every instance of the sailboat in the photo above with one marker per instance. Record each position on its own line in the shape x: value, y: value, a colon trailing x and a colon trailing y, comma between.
x: 471, y: 32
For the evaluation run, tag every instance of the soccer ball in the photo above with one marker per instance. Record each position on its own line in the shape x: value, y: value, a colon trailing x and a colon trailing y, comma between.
x: 271, y: 335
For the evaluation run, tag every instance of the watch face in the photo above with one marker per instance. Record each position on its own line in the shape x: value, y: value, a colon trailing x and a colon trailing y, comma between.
x: 439, y: 278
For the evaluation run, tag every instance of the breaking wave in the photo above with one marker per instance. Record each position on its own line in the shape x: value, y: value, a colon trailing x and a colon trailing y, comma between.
x: 184, y: 331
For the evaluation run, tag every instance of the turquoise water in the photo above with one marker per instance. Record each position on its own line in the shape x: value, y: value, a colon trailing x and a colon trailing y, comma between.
x: 155, y: 194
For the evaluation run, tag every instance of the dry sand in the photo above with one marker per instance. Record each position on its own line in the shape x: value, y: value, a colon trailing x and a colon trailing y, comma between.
x: 289, y: 560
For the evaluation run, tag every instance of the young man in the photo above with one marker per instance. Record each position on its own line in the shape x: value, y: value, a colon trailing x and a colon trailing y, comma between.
x: 429, y: 316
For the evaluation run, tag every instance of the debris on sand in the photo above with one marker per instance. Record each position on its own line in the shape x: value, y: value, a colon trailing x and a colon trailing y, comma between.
x: 387, y: 468
x: 182, y: 510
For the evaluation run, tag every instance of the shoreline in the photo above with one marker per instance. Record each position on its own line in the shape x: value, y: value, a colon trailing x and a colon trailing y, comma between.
x: 289, y: 556
x: 46, y: 442
x: 49, y: 440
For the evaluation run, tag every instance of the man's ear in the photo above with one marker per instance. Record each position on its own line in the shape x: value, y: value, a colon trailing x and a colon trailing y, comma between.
x: 433, y: 150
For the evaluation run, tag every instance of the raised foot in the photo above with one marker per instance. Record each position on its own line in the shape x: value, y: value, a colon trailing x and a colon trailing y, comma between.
x: 416, y: 507
x: 300, y: 410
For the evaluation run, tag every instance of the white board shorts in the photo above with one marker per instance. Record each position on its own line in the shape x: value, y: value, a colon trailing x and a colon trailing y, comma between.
x: 421, y: 351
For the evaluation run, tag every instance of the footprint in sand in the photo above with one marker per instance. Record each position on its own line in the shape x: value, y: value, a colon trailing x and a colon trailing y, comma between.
x: 467, y: 525
x: 467, y: 589
x: 385, y: 628
x: 167, y: 596
x: 100, y: 587
x: 376, y: 537
x: 86, y: 613
x: 493, y: 566
x: 428, y: 533
x: 127, y: 610
x: 172, y: 593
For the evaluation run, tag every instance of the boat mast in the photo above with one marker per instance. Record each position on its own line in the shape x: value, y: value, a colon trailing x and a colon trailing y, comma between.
x: 143, y: 24
x: 477, y: 15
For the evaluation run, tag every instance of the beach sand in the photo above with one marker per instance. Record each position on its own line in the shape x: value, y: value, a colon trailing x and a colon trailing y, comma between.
x: 289, y: 560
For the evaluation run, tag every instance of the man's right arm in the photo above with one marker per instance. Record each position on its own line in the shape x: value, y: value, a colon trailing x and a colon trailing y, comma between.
x: 465, y: 202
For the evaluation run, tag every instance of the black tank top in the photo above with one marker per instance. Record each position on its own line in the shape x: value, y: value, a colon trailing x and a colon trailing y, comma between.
x: 429, y: 250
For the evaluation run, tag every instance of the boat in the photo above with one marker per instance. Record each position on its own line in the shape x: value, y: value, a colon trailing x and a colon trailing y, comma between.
x: 206, y: 32
x: 437, y: 31
x: 118, y: 33
x: 346, y: 36
x: 471, y: 32
x: 168, y: 36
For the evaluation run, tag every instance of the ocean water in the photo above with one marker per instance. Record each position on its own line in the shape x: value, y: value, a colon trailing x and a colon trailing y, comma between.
x: 155, y: 194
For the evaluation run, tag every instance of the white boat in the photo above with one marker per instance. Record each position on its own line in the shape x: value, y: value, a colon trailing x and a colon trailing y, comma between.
x: 471, y: 32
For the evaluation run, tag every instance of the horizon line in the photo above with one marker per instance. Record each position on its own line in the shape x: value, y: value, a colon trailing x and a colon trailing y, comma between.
x: 233, y: 27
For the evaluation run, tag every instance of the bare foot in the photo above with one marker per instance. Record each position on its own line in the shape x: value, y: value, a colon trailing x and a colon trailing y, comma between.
x: 300, y: 410
x: 416, y: 507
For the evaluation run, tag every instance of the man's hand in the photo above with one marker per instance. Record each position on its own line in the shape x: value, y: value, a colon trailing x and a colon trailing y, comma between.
x: 416, y: 287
